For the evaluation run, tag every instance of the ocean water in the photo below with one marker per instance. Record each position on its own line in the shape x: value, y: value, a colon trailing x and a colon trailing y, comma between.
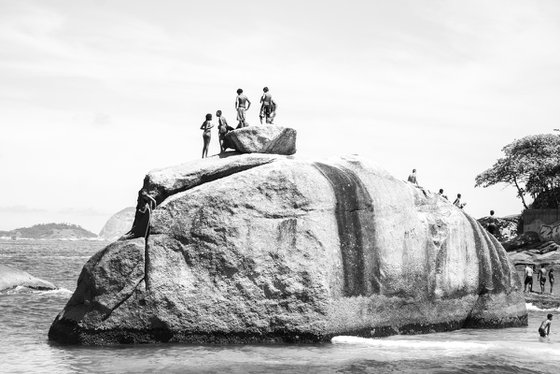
x: 25, y: 317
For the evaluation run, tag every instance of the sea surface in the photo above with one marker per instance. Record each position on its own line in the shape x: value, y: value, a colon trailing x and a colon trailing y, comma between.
x: 25, y: 317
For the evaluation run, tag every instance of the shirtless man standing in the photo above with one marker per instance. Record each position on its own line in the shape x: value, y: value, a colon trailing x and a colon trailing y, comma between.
x: 242, y: 104
x: 268, y: 107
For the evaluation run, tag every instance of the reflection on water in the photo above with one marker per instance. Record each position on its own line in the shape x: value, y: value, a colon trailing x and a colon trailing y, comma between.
x: 26, y: 316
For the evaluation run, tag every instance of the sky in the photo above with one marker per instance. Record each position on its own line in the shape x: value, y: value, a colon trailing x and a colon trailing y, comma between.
x: 94, y: 94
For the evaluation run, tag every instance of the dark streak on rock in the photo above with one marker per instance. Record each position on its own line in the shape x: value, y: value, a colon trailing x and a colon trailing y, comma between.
x: 354, y: 217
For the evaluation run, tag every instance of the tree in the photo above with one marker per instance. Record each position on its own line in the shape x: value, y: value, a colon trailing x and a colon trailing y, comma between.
x: 531, y: 164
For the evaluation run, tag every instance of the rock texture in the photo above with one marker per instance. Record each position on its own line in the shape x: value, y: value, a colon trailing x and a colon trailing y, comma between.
x: 263, y: 139
x: 267, y: 248
x: 118, y: 224
x: 11, y: 278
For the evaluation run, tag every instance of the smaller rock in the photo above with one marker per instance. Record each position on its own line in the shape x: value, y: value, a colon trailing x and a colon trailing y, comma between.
x: 263, y: 139
x: 522, y: 241
x: 11, y: 278
x: 118, y: 224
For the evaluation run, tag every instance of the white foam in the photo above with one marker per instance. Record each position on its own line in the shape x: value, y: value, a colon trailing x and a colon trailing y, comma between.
x: 533, y: 308
x: 410, y: 343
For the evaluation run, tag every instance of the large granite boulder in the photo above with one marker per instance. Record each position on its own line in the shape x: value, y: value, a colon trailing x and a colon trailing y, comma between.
x: 274, y: 249
x: 263, y: 139
x: 118, y: 225
x: 11, y: 278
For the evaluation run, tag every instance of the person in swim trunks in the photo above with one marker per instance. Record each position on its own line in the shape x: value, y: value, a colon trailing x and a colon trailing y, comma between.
x: 528, y: 278
x: 268, y: 107
x: 544, y: 328
x: 242, y: 104
x: 541, y: 277
x: 551, y: 278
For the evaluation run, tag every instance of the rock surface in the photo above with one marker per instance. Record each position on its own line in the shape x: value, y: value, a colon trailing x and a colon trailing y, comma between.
x: 11, y: 278
x: 263, y: 139
x: 118, y: 225
x: 264, y: 249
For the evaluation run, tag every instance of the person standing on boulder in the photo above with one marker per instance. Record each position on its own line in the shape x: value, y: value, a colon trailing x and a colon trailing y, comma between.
x: 223, y: 129
x: 541, y: 277
x: 268, y: 107
x: 544, y: 328
x: 492, y: 224
x: 206, y: 134
x: 242, y: 104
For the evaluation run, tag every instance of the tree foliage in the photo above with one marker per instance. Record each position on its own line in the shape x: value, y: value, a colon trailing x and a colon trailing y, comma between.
x: 531, y: 164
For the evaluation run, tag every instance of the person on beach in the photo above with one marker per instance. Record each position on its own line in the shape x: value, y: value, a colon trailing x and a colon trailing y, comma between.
x: 528, y: 278
x: 551, y: 278
x: 544, y: 328
x: 141, y: 225
x: 268, y: 107
x: 223, y: 129
x: 242, y: 104
x: 541, y: 277
x: 412, y: 177
x: 458, y: 202
x: 206, y: 134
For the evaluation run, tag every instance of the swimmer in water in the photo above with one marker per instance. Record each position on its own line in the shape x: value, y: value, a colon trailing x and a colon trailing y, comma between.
x: 544, y: 329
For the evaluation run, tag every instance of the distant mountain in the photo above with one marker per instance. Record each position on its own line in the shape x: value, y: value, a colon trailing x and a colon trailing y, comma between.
x: 118, y: 225
x: 50, y: 231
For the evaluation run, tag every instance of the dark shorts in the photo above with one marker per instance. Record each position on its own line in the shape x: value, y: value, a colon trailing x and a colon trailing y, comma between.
x: 528, y: 280
x: 543, y: 280
x: 542, y: 333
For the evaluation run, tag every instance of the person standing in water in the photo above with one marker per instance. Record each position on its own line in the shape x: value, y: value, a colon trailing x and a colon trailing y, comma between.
x: 206, y: 134
x: 242, y: 104
x: 544, y: 328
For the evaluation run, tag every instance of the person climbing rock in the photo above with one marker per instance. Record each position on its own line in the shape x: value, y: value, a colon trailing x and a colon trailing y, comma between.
x: 142, y: 218
x: 242, y: 104
x: 493, y: 225
x: 206, y: 134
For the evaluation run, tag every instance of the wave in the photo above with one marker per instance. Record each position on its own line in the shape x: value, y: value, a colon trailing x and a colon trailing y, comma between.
x: 26, y: 290
x: 409, y: 343
x: 533, y: 308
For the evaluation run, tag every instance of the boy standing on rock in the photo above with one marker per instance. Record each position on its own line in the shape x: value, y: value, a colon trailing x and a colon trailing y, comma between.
x: 242, y: 104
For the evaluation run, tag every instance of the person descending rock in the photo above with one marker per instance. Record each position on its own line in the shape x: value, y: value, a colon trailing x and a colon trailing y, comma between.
x: 544, y: 328
x: 268, y: 107
x: 541, y: 277
x: 242, y: 104
x: 142, y: 218
x: 412, y: 177
x: 458, y: 202
x: 528, y: 278
x: 551, y: 278
x: 206, y: 134
x: 223, y: 129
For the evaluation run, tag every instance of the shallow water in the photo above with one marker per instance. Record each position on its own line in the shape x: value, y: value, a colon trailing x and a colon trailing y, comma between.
x: 26, y: 317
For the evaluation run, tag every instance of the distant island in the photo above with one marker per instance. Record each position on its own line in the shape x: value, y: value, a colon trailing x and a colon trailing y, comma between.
x: 49, y: 231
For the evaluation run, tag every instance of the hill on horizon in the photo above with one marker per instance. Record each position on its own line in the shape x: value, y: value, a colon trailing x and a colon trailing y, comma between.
x: 50, y: 231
